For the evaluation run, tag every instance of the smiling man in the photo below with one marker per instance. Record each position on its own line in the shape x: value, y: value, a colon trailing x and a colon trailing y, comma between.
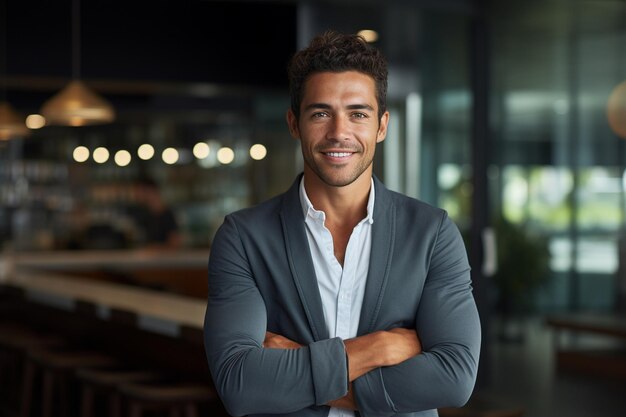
x: 340, y: 297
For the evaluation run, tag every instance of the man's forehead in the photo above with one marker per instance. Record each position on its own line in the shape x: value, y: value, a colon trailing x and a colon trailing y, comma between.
x: 345, y: 82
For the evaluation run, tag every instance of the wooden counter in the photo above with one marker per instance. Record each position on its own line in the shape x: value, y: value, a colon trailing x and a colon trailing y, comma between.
x: 156, y: 311
x: 179, y: 272
x: 121, y: 260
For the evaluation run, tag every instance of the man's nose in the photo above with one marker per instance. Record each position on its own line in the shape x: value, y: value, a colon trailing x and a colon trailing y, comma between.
x: 339, y: 129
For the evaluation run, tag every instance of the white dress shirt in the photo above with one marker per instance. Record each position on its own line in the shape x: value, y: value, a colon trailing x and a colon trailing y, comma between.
x: 341, y: 289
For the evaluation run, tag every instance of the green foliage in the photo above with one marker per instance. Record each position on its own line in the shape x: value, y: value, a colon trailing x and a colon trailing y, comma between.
x: 523, y: 265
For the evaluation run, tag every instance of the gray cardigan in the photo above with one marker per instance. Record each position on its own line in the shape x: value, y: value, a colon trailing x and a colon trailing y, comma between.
x: 261, y: 277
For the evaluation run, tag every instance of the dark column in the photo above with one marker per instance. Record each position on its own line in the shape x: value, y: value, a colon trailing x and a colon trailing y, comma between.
x: 480, y: 77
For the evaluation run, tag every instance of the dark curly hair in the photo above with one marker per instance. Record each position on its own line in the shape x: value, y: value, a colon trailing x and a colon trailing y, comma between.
x: 336, y: 52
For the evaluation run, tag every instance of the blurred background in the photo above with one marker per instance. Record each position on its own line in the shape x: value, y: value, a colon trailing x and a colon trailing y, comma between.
x: 510, y: 115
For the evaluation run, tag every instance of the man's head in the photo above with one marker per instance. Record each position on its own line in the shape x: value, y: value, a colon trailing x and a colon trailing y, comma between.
x: 335, y: 52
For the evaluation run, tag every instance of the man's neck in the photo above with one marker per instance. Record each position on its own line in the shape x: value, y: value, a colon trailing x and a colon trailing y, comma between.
x: 344, y: 206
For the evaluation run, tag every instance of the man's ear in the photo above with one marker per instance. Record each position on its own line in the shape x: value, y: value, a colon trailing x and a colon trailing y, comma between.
x: 382, y: 127
x: 292, y: 123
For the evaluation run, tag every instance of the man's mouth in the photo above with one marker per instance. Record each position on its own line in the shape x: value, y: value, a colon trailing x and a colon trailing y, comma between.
x: 338, y: 154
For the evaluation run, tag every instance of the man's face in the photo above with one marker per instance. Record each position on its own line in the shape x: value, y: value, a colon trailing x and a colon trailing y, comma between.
x: 338, y: 126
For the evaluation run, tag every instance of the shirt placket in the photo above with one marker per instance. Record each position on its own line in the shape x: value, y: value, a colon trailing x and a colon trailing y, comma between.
x: 346, y: 287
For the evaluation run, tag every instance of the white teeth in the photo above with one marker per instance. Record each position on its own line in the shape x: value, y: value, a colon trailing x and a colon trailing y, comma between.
x: 338, y: 154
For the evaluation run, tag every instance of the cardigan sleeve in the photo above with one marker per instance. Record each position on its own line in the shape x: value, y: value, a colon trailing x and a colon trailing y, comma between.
x: 448, y: 326
x: 249, y: 378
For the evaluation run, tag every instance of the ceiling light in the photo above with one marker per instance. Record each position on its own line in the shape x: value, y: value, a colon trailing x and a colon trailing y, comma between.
x: 81, y: 154
x: 101, y: 155
x: 11, y: 124
x: 76, y: 104
x: 258, y: 152
x: 122, y: 158
x: 35, y: 121
x: 369, y: 35
x: 145, y: 151
x: 170, y: 156
x: 616, y: 110
x: 225, y: 155
x: 201, y: 150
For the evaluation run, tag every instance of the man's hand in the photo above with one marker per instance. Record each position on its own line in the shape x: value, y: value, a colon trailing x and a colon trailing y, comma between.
x: 347, y: 402
x: 276, y: 341
x: 382, y: 348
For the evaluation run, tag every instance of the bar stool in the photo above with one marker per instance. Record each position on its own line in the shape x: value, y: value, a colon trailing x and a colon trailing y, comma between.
x: 56, y: 368
x: 16, y: 340
x: 174, y: 399
x: 105, y: 381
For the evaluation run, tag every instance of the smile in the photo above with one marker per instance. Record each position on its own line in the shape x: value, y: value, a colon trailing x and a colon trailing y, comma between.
x: 339, y: 154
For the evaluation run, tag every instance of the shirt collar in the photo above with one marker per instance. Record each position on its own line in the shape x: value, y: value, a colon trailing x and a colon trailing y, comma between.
x: 309, y: 210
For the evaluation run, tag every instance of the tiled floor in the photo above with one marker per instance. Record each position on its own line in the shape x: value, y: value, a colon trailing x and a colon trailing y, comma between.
x: 524, y: 374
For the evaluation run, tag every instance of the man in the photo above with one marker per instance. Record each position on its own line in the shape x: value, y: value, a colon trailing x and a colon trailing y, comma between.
x: 317, y: 296
x: 155, y: 217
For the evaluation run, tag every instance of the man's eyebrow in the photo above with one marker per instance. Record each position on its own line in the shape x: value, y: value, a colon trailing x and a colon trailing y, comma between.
x: 360, y: 107
x: 317, y: 106
x: 325, y: 106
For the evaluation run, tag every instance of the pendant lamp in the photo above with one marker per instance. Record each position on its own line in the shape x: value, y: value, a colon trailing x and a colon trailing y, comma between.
x: 616, y: 110
x: 77, y: 104
x: 11, y: 124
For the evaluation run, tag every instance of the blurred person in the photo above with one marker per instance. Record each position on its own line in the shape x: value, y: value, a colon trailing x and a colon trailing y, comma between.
x: 340, y: 297
x: 155, y: 218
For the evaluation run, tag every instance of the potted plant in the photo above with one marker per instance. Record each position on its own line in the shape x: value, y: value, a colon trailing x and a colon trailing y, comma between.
x: 523, y: 265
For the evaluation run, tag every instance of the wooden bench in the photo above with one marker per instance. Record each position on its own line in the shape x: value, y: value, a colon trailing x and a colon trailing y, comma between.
x: 609, y: 361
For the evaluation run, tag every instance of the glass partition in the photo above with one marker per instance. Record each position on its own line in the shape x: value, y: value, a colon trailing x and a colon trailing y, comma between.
x: 558, y: 167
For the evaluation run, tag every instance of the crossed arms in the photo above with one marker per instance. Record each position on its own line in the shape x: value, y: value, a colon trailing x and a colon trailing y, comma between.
x: 365, y: 353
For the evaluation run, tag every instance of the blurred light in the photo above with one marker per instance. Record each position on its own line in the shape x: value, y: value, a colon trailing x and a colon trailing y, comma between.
x: 77, y: 105
x: 201, y: 150
x: 616, y: 110
x: 145, y: 151
x: 101, y: 155
x: 561, y: 106
x: 211, y: 160
x: 225, y: 155
x: 258, y: 152
x: 369, y: 35
x: 448, y: 176
x: 122, y: 158
x: 11, y: 123
x: 80, y: 154
x: 35, y: 121
x: 170, y: 156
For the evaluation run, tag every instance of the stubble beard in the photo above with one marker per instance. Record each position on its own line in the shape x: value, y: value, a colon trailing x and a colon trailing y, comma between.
x: 332, y: 175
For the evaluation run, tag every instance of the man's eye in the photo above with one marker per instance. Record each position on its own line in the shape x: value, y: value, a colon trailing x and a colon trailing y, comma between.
x: 319, y: 115
x: 359, y: 115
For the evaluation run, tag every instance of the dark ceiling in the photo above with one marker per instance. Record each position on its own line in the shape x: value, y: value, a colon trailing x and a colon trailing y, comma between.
x: 234, y: 42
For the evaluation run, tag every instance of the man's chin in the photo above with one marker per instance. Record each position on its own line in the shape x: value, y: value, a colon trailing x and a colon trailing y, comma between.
x: 337, y: 176
x: 339, y: 181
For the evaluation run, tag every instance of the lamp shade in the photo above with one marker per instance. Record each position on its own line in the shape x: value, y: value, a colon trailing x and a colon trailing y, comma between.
x: 616, y: 110
x: 77, y: 105
x: 11, y: 124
